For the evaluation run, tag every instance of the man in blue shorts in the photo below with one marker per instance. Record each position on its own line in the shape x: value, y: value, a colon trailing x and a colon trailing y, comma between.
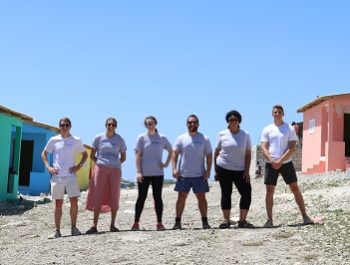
x: 278, y: 142
x: 193, y: 169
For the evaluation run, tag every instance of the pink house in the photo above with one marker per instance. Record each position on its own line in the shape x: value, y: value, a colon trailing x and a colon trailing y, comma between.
x: 326, y: 134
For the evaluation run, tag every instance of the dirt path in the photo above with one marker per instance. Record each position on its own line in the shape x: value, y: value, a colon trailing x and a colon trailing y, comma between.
x: 25, y: 225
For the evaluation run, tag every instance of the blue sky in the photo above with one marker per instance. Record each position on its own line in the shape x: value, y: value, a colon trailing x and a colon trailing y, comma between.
x: 129, y: 59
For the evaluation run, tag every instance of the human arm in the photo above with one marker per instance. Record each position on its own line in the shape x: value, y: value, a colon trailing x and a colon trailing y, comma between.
x: 247, y: 159
x: 51, y: 170
x: 176, y: 172
x: 209, y: 159
x: 74, y: 169
x: 122, y: 156
x: 216, y: 154
x: 139, y: 176
x: 170, y: 154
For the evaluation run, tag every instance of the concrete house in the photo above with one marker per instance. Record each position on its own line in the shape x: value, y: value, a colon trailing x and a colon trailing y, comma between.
x: 326, y: 134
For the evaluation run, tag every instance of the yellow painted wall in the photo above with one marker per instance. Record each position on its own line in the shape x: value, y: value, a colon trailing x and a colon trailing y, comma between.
x: 83, y: 174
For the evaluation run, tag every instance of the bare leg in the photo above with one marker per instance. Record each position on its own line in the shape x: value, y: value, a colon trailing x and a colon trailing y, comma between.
x: 202, y: 204
x: 270, y: 189
x: 298, y: 197
x: 73, y: 210
x: 58, y: 214
x: 180, y: 203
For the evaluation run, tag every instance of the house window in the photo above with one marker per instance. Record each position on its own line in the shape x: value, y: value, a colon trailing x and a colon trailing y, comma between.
x: 312, y: 126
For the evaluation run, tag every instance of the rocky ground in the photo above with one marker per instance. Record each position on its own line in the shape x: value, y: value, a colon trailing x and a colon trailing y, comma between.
x: 25, y: 225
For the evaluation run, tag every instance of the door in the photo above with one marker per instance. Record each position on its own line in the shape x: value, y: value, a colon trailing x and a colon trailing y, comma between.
x: 347, y: 134
x: 26, y: 162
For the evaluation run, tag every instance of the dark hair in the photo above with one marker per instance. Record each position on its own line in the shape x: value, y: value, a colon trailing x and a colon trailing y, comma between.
x: 193, y: 116
x: 278, y: 107
x: 66, y: 119
x: 111, y: 119
x: 150, y: 118
x: 234, y: 113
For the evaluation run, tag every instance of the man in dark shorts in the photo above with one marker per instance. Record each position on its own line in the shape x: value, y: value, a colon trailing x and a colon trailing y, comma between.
x: 278, y: 142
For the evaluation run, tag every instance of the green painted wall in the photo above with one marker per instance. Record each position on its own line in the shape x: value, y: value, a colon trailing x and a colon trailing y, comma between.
x: 7, y: 124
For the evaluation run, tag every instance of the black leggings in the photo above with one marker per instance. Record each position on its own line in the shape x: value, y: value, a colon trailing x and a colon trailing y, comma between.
x: 157, y: 185
x: 226, y: 178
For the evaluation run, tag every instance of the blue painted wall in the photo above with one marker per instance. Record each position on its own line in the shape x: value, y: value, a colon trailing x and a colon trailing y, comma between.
x: 39, y: 177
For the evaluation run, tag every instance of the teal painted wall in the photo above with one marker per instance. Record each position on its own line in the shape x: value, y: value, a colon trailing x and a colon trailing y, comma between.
x: 8, y: 125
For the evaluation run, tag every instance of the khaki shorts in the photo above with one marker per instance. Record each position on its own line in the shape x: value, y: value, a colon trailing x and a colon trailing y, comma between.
x: 69, y: 184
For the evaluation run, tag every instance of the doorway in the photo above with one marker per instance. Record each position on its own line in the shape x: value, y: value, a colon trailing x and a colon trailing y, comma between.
x: 347, y: 134
x: 26, y: 162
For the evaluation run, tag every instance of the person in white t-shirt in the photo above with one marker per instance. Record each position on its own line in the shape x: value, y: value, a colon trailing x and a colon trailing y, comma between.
x: 232, y: 162
x: 64, y: 147
x: 278, y: 142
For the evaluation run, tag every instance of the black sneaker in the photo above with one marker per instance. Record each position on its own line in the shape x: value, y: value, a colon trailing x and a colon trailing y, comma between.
x: 244, y: 224
x: 205, y: 225
x: 92, y: 230
x: 177, y: 226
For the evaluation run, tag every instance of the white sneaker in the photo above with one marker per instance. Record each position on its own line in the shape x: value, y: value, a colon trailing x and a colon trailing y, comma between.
x: 75, y: 232
x: 268, y: 224
x: 55, y: 234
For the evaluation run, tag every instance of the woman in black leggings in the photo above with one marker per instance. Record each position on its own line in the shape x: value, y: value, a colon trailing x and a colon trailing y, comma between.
x: 232, y: 162
x: 149, y: 150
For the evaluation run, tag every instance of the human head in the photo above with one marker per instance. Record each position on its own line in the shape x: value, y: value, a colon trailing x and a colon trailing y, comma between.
x: 192, y: 123
x: 233, y: 114
x: 65, y: 121
x: 151, y: 123
x: 278, y: 107
x: 150, y: 119
x: 111, y: 122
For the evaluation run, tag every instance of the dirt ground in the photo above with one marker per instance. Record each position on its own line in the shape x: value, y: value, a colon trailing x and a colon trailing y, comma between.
x: 25, y: 226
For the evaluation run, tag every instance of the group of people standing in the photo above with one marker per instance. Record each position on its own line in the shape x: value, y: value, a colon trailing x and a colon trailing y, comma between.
x: 191, y: 158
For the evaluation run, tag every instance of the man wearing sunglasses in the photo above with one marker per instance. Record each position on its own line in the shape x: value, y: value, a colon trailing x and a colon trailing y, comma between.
x: 64, y: 147
x: 193, y: 170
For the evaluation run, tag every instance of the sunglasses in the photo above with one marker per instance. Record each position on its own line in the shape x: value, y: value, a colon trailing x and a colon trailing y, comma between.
x: 64, y: 125
x: 111, y: 125
x: 192, y: 122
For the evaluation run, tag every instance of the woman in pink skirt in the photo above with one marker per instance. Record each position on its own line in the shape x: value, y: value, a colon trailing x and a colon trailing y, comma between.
x: 108, y: 152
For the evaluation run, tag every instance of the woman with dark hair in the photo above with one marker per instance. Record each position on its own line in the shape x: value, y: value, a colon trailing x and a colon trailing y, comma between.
x: 232, y: 162
x: 108, y: 152
x: 150, y: 169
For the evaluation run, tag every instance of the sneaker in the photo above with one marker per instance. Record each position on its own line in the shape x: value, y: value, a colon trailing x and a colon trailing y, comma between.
x: 160, y: 227
x: 225, y: 224
x: 135, y: 227
x: 177, y: 226
x: 113, y: 229
x: 55, y: 234
x: 245, y: 224
x: 307, y: 220
x: 205, y: 225
x: 268, y: 224
x: 75, y: 232
x: 92, y: 230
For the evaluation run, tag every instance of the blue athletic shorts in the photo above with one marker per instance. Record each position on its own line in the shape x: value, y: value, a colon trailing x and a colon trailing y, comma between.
x: 198, y: 185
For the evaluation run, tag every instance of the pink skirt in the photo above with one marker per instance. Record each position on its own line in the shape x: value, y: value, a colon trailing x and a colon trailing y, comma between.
x: 104, y: 189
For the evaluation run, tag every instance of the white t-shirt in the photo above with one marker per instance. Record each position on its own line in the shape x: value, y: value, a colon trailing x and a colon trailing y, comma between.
x: 278, y: 138
x: 64, y: 151
x: 233, y: 149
